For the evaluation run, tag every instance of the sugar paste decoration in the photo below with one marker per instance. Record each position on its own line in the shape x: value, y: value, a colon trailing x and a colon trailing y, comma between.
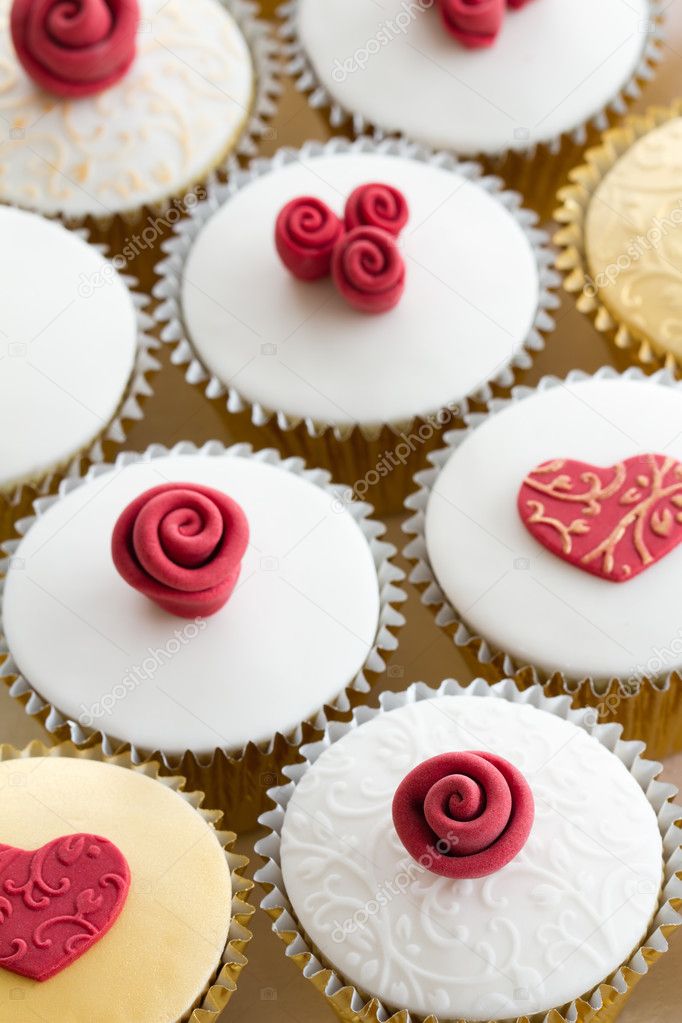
x: 58, y: 901
x: 613, y: 522
x: 377, y: 205
x: 360, y: 251
x: 368, y: 270
x: 464, y: 815
x: 181, y: 545
x: 75, y: 48
x: 476, y: 23
x: 305, y: 235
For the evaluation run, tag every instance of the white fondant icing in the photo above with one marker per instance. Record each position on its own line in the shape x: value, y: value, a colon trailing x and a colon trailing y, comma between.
x: 506, y: 586
x: 470, y: 299
x: 294, y: 634
x: 162, y: 127
x: 544, y: 930
x: 68, y: 333
x: 554, y: 66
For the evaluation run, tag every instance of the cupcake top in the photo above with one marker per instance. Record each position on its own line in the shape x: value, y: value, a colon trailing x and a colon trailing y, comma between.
x: 173, y: 113
x: 225, y: 615
x: 67, y: 348
x: 313, y: 349
x: 632, y: 239
x: 551, y: 66
x: 462, y: 925
x: 563, y: 551
x: 146, y: 944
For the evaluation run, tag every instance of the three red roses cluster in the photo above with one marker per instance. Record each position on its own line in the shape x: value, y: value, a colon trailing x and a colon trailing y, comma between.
x: 359, y: 251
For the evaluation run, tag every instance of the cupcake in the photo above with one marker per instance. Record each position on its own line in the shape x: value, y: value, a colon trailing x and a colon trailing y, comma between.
x: 353, y: 348
x: 117, y: 108
x: 494, y: 80
x: 225, y: 597
x: 619, y: 244
x: 119, y: 899
x: 73, y: 356
x: 559, y: 562
x: 473, y: 854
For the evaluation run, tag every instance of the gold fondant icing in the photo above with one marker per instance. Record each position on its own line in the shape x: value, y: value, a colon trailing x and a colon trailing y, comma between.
x: 633, y: 239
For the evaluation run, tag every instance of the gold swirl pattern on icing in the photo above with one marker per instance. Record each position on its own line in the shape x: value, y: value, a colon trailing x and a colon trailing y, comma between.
x: 632, y: 238
x: 171, y: 118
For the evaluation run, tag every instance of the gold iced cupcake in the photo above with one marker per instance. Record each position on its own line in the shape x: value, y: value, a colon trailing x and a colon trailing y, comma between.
x: 622, y: 240
x: 119, y: 900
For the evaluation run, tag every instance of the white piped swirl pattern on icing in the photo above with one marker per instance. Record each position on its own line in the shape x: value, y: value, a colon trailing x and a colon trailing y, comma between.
x: 545, y: 929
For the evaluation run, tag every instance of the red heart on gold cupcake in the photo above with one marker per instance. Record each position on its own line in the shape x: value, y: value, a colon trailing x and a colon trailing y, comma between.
x: 614, y: 522
x: 57, y: 901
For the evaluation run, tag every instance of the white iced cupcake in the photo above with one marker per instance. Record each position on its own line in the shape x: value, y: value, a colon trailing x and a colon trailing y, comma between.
x: 73, y: 354
x: 339, y: 367
x: 115, y: 109
x: 225, y: 596
x: 472, y: 854
x: 536, y: 82
x: 546, y: 539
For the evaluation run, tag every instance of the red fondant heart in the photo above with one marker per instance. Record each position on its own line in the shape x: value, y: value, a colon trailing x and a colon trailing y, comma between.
x: 613, y: 522
x: 57, y: 901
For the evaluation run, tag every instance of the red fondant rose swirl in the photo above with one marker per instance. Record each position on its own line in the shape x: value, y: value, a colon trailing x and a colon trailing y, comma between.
x: 181, y: 545
x: 474, y: 23
x: 368, y: 270
x: 75, y: 48
x: 464, y: 815
x: 377, y: 205
x: 306, y: 232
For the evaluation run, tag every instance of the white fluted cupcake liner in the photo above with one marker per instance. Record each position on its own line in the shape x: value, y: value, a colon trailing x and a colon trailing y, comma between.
x: 17, y: 498
x: 266, y: 54
x: 600, y: 1004
x: 300, y: 68
x: 655, y: 714
x: 216, y: 996
x: 170, y: 271
x: 232, y: 774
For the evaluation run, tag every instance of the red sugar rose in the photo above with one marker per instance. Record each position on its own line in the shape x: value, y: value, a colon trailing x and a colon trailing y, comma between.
x: 305, y: 234
x: 75, y: 48
x: 368, y: 269
x: 377, y: 205
x: 181, y: 545
x: 464, y: 815
x: 474, y: 23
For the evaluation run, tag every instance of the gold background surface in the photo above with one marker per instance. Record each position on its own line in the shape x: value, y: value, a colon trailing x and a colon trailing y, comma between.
x: 271, y: 989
